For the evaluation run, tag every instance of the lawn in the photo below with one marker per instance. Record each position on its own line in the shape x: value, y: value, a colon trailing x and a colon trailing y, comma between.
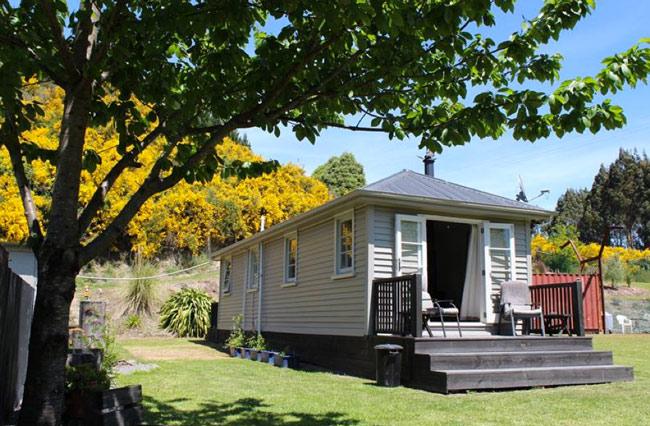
x: 197, y: 385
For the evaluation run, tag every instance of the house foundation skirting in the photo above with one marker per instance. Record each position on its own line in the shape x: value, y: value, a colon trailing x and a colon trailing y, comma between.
x: 354, y: 355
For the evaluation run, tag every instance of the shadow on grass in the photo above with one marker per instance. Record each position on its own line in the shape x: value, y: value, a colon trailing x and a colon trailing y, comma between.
x: 212, y: 345
x: 244, y: 411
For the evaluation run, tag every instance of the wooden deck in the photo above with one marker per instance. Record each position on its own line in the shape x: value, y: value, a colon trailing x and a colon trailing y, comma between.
x: 510, y: 362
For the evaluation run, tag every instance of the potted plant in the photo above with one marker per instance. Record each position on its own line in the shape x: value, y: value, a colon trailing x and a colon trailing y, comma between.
x: 80, y: 382
x: 256, y: 345
x: 285, y: 360
x: 236, y: 339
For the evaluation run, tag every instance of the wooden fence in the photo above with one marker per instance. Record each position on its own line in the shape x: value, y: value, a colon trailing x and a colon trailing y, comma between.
x: 16, y: 303
x: 561, y: 298
x: 394, y: 305
x: 592, y: 296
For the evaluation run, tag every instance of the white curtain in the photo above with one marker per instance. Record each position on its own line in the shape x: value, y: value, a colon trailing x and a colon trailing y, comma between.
x: 471, y: 304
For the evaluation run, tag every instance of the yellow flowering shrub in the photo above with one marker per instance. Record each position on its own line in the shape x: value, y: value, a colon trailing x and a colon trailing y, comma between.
x: 540, y: 244
x: 184, y: 218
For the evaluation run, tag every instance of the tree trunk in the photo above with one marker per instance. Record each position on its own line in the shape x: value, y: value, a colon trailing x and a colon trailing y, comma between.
x: 48, y: 345
x: 58, y: 266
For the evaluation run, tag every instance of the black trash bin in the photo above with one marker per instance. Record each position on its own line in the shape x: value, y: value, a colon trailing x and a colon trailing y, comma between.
x: 389, y: 365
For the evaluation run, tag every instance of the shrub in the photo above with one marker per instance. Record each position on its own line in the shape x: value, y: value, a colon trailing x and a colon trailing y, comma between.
x: 86, y: 378
x: 89, y: 378
x: 560, y: 261
x: 141, y: 292
x: 614, y: 270
x: 256, y: 342
x: 236, y: 339
x: 133, y: 321
x: 187, y: 313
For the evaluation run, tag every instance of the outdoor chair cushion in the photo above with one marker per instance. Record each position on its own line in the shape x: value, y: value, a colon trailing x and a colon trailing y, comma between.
x: 449, y: 311
x: 523, y: 310
x: 427, y: 302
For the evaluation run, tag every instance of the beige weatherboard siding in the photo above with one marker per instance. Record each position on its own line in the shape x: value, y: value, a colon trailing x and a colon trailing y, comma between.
x: 318, y: 302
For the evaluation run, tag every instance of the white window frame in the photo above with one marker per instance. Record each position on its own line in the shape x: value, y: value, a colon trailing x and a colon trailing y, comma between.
x: 421, y: 244
x: 487, y: 262
x: 226, y: 290
x: 348, y: 271
x: 252, y: 277
x: 290, y: 281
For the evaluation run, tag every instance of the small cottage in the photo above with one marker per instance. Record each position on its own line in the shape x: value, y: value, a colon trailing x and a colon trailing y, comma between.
x: 307, y: 284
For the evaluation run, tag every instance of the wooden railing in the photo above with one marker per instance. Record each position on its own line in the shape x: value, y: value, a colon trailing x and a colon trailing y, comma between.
x: 395, y: 305
x: 561, y: 298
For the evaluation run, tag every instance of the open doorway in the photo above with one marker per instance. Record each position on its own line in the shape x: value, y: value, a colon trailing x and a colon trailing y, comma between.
x: 447, y: 252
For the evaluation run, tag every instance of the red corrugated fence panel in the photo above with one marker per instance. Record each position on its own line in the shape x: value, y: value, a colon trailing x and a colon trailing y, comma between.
x: 591, y: 296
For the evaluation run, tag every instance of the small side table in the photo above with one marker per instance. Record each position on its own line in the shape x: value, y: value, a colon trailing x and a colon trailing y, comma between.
x: 555, y: 323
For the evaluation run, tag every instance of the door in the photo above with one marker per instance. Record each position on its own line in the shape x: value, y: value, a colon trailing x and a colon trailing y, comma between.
x: 499, y: 245
x: 409, y: 245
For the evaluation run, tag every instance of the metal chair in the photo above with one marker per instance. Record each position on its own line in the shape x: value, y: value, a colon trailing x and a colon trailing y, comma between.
x: 432, y: 308
x: 516, y: 304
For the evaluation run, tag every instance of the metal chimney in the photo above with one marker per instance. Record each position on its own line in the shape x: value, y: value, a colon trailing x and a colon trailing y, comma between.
x: 429, y: 159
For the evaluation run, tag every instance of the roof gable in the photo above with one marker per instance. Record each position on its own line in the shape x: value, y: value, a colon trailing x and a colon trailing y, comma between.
x: 410, y: 183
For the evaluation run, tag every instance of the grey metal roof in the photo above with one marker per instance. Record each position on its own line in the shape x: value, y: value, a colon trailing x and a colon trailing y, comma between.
x: 410, y: 183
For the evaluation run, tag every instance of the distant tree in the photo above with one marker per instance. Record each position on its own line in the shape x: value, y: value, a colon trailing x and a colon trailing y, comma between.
x: 341, y: 174
x: 644, y: 200
x: 614, y: 270
x: 240, y: 138
x: 592, y: 223
x: 570, y: 209
x: 617, y: 198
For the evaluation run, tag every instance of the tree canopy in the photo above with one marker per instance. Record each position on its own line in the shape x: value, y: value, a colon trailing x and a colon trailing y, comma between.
x: 618, y: 199
x: 222, y: 210
x: 341, y: 174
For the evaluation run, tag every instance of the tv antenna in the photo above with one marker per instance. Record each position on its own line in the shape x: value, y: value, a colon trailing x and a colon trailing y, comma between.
x: 521, y: 196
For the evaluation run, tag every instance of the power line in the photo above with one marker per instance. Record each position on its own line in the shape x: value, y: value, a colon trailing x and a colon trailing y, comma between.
x: 87, y: 277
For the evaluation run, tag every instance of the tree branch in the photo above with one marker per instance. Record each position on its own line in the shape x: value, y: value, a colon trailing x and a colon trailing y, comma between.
x: 99, y: 196
x: 60, y: 42
x: 152, y: 185
x: 16, y: 42
x: 10, y: 140
x: 107, y: 31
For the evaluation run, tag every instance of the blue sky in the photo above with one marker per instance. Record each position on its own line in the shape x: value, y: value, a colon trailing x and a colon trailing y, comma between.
x: 494, y: 166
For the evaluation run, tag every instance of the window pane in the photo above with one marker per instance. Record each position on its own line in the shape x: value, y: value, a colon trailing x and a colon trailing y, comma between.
x: 291, y: 254
x: 499, y: 238
x: 500, y: 265
x: 344, y: 246
x: 410, y: 251
x: 410, y: 231
x: 226, y: 275
x: 345, y: 260
x: 253, y: 269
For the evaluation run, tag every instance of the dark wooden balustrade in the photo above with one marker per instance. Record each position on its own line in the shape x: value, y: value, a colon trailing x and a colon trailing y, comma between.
x: 395, y: 305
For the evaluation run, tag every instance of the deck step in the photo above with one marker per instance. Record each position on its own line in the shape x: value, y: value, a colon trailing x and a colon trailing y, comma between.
x: 501, y: 344
x: 504, y: 378
x: 469, y: 329
x: 527, y: 359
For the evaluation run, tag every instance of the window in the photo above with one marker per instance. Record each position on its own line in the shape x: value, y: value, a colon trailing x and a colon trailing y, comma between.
x: 345, y: 245
x: 501, y: 252
x: 226, y: 272
x: 409, y: 244
x: 290, y: 258
x: 253, y: 277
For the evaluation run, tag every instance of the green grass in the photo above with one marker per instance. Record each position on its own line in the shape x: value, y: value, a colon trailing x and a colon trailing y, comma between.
x: 239, y: 392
